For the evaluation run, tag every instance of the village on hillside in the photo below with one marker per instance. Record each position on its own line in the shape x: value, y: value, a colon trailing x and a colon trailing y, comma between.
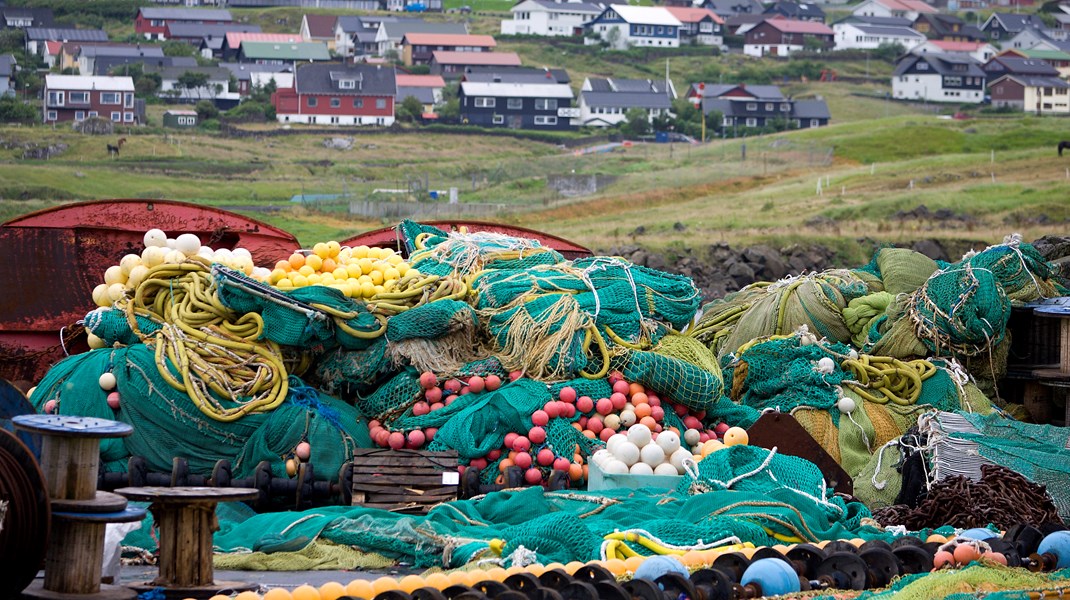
x: 394, y: 63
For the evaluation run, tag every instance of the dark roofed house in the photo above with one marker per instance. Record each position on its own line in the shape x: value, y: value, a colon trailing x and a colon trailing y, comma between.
x: 250, y: 75
x: 515, y: 74
x: 87, y: 54
x: 699, y: 25
x: 206, y: 37
x: 803, y: 11
x: 121, y: 65
x: 1017, y: 65
x: 1042, y: 95
x: 452, y: 65
x: 417, y: 48
x: 938, y: 78
x: 606, y: 102
x: 731, y: 8
x: 152, y: 22
x: 1002, y: 26
x: 20, y: 18
x: 319, y: 28
x: 280, y: 53
x: 390, y: 33
x: 543, y: 105
x: 874, y: 20
x: 743, y: 105
x: 941, y: 26
x: 37, y: 36
x: 780, y: 37
x: 337, y: 94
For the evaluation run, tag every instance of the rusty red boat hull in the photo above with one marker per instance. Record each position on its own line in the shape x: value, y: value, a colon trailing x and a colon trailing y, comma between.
x: 387, y: 237
x: 57, y: 256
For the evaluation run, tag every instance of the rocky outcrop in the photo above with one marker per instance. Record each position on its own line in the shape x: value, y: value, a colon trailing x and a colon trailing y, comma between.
x: 718, y: 269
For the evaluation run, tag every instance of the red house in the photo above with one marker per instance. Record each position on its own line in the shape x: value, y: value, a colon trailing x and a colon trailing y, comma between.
x: 338, y: 94
x: 79, y: 97
x: 152, y: 22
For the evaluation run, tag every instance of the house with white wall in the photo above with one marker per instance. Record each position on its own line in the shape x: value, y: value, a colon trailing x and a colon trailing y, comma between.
x: 549, y: 18
x: 623, y: 26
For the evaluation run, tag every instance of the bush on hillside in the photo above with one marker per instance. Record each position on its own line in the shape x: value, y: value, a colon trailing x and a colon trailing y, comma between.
x: 13, y: 110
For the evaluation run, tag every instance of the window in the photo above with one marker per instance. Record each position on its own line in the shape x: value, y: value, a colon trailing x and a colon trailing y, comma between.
x: 336, y: 102
x: 815, y: 123
x: 347, y: 84
x: 79, y: 115
x: 79, y: 98
x: 128, y: 117
x: 546, y: 104
x: 769, y: 106
x: 498, y: 119
x: 545, y: 120
x: 92, y: 114
x: 923, y: 66
x: 380, y: 103
x: 785, y: 107
x: 312, y: 101
x: 727, y: 122
x: 661, y: 29
x: 111, y: 98
x: 515, y: 103
x: 128, y: 101
x: 358, y: 103
x: 752, y: 122
x: 752, y: 106
x: 117, y: 117
x: 481, y: 102
x: 52, y: 115
x: 334, y: 120
x: 55, y: 98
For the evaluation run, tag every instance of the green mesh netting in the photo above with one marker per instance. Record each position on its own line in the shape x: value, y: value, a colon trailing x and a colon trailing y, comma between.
x: 439, y: 336
x: 433, y: 251
x: 111, y: 325
x: 290, y: 318
x: 481, y: 426
x: 167, y: 424
x: 353, y: 372
x: 1020, y: 269
x: 816, y: 301
x: 557, y: 526
x: 902, y: 270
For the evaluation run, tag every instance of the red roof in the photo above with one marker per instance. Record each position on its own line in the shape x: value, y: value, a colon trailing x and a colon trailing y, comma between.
x: 909, y: 5
x: 449, y: 39
x: 431, y: 81
x: 693, y: 15
x: 53, y: 47
x: 797, y: 26
x: 235, y: 38
x: 950, y: 46
x: 494, y: 59
x: 321, y: 26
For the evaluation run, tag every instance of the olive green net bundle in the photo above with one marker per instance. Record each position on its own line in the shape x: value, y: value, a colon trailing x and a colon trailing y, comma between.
x: 166, y: 424
x: 761, y: 310
x: 976, y: 580
x: 1020, y: 269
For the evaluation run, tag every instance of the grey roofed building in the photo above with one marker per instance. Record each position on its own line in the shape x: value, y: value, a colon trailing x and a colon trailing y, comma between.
x: 771, y: 93
x: 350, y: 24
x: 631, y: 86
x: 728, y: 8
x: 1014, y: 22
x: 804, y: 11
x: 7, y: 65
x: 579, y: 7
x: 943, y: 64
x: 1001, y: 65
x: 197, y: 30
x: 627, y: 99
x: 104, y: 65
x: 811, y: 109
x: 186, y: 14
x: 881, y: 21
x: 882, y: 30
x: 146, y: 51
x: 480, y: 73
x: 425, y: 95
x: 214, y: 73
x: 42, y: 34
x: 320, y: 78
x: 1038, y: 81
x: 244, y: 71
x: 35, y: 17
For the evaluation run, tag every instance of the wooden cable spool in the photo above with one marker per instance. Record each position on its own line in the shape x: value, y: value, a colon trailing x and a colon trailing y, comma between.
x: 25, y: 526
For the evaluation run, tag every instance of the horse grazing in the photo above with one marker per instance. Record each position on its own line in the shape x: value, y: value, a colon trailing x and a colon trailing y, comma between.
x: 1062, y: 145
x: 114, y: 150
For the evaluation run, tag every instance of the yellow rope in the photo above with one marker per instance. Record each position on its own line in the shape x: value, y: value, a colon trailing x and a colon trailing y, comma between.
x: 883, y: 378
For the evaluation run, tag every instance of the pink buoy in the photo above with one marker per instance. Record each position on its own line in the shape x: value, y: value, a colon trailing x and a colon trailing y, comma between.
x: 567, y: 394
x: 604, y: 406
x: 493, y: 382
x: 430, y: 432
x: 428, y: 380
x: 522, y: 460
x: 606, y: 434
x: 420, y: 408
x: 476, y: 383
x: 494, y: 455
x: 521, y: 444
x: 396, y: 440
x: 514, y: 375
x: 416, y: 439
x: 545, y: 457
x: 621, y: 387
x: 510, y: 438
x: 540, y: 418
x: 561, y: 464
x: 113, y: 400
x: 584, y: 404
x: 437, y: 406
x: 50, y: 407
x: 478, y: 463
x: 537, y: 435
x: 453, y: 385
x: 552, y: 409
x: 721, y: 427
x: 533, y: 476
x: 618, y: 400
x: 303, y: 451
x: 567, y: 410
x: 433, y: 395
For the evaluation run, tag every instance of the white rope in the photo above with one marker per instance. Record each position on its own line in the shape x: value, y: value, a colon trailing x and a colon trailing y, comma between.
x: 738, y: 478
x: 865, y: 438
x: 880, y: 485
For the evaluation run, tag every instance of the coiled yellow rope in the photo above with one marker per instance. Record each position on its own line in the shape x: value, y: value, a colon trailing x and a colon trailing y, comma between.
x: 882, y: 378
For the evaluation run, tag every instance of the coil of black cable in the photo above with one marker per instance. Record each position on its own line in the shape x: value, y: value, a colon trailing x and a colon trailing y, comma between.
x: 24, y: 529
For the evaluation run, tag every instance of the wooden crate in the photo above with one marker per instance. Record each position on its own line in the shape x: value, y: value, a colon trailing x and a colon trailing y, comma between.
x: 409, y: 481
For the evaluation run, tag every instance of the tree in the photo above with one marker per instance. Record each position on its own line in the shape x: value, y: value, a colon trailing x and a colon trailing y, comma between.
x: 13, y: 110
x: 411, y: 109
x: 178, y: 48
x: 450, y: 112
x: 637, y: 122
x: 206, y: 110
x: 191, y: 80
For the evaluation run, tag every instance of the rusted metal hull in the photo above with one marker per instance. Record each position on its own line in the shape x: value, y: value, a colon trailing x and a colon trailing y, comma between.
x: 57, y: 256
x: 387, y: 236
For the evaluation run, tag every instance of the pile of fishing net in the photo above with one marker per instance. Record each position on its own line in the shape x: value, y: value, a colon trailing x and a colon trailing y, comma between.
x: 763, y: 498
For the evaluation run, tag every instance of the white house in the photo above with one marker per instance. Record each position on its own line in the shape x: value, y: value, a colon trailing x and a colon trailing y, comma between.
x: 606, y: 102
x: 549, y: 18
x: 871, y: 37
x: 938, y: 78
x: 981, y: 52
x: 216, y: 85
x: 907, y: 9
x: 623, y: 26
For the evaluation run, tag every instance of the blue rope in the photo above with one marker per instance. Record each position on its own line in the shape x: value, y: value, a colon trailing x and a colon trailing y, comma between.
x: 307, y: 397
